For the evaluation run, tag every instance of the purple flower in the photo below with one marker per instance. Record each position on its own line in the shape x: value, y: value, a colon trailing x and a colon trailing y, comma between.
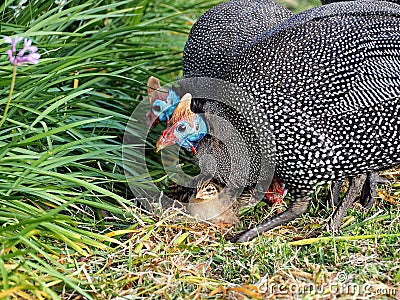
x: 28, y: 54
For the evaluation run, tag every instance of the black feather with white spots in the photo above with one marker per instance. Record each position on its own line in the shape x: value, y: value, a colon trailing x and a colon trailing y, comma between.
x: 328, y: 83
x: 224, y: 31
x: 330, y: 91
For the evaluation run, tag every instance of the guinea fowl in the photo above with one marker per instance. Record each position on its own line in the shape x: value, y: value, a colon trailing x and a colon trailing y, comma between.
x: 216, y: 38
x: 334, y: 1
x: 209, y: 205
x: 330, y: 94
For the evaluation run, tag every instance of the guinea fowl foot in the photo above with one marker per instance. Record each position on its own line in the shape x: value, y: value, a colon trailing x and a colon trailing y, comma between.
x: 276, y: 193
x: 364, y: 185
x: 336, y: 187
x: 293, y: 210
x: 356, y: 185
x: 368, y: 192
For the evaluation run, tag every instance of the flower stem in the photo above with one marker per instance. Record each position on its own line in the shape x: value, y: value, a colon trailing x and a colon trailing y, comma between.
x: 9, y: 96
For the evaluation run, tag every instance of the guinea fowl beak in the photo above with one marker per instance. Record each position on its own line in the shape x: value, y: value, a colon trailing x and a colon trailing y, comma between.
x: 165, y: 140
x: 162, y: 143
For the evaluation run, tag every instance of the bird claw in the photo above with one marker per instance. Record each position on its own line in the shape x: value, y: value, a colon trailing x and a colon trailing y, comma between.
x: 335, y: 190
x: 294, y: 209
x: 368, y: 192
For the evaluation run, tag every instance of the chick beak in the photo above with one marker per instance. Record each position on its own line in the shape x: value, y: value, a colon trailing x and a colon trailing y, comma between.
x: 165, y: 140
x: 199, y: 194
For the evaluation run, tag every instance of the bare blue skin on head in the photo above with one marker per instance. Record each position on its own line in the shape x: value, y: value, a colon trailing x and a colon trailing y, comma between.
x: 164, y: 109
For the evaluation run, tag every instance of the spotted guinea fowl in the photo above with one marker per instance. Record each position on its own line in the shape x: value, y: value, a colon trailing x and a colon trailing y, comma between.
x: 187, y: 133
x: 330, y: 94
x: 214, y: 40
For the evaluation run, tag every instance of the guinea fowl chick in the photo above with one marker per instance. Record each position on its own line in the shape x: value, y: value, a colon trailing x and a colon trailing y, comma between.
x: 213, y: 204
x: 218, y: 204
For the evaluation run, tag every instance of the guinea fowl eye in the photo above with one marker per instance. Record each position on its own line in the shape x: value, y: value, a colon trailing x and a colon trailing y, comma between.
x: 157, y: 108
x: 181, y: 128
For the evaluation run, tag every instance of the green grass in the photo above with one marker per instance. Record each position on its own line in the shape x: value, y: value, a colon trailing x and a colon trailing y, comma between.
x: 68, y: 226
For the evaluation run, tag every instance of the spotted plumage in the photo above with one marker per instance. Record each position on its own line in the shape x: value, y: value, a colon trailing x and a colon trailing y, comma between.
x: 372, y: 179
x: 327, y: 83
x: 224, y: 31
x: 342, y: 97
x: 333, y: 1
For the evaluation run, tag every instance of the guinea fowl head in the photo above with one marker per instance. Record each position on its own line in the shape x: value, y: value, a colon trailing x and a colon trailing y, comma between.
x: 185, y: 127
x: 162, y: 102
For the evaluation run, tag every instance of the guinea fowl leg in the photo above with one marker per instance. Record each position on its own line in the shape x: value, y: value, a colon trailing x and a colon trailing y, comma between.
x: 355, y: 187
x: 294, y: 209
x: 368, y: 192
x: 335, y: 190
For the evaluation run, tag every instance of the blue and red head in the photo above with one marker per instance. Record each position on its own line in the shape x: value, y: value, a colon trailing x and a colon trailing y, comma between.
x: 162, y: 102
x: 185, y: 127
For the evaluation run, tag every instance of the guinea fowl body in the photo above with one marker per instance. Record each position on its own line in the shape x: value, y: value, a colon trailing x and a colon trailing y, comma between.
x: 224, y: 31
x: 331, y: 96
x: 368, y: 194
x: 338, y: 80
x: 334, y: 1
x: 328, y: 84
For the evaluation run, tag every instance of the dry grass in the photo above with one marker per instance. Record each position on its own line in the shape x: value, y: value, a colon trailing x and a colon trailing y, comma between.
x: 160, y: 257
